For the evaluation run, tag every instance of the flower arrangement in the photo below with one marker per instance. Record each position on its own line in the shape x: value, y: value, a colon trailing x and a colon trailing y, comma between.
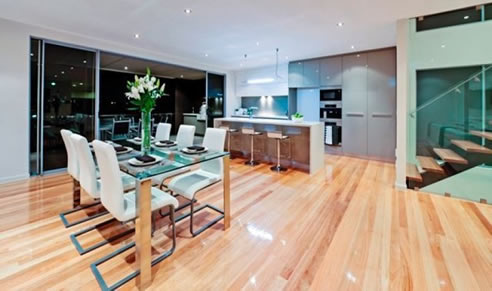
x: 143, y: 93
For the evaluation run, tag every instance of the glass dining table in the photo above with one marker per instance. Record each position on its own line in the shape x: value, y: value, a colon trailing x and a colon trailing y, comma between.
x: 170, y: 159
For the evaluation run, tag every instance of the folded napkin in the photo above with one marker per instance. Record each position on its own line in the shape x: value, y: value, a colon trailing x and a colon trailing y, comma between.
x: 145, y: 159
x: 196, y: 148
x: 119, y: 149
x: 137, y: 138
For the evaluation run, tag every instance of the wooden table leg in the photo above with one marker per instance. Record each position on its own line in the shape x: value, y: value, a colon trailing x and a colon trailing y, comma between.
x: 143, y: 237
x: 76, y: 193
x: 227, y: 193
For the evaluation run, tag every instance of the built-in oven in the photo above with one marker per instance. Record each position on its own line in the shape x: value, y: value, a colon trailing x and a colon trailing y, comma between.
x: 330, y: 95
x: 330, y: 111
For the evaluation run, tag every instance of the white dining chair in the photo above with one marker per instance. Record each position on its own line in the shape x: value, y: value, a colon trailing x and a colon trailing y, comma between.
x: 210, y: 172
x: 73, y: 171
x: 123, y: 208
x: 185, y: 136
x: 163, y: 131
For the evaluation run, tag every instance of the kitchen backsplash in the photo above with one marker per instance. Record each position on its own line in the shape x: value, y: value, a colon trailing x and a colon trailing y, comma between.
x: 267, y: 105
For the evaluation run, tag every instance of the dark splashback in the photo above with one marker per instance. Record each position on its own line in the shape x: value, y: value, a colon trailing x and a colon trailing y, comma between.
x: 267, y: 105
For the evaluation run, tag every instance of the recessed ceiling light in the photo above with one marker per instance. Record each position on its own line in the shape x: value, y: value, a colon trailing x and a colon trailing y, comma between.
x: 81, y: 84
x: 84, y: 61
x: 71, y: 68
x: 182, y: 76
x: 63, y: 72
x: 126, y: 68
x: 352, y: 47
x: 137, y: 35
x: 240, y: 65
x: 32, y: 55
x: 257, y: 43
x: 187, y: 11
x: 340, y: 24
x: 443, y: 45
x: 466, y: 17
x: 286, y: 57
x: 56, y: 76
x: 53, y: 84
x: 206, y: 55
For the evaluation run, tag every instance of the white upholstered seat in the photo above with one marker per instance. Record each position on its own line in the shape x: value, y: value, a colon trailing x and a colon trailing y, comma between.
x: 163, y: 131
x: 120, y: 205
x: 72, y: 163
x: 87, y: 169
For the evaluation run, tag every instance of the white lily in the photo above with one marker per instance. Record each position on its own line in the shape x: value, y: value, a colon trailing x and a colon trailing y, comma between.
x: 163, y: 87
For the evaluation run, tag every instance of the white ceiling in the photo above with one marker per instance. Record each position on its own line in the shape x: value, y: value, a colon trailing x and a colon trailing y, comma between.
x: 228, y: 29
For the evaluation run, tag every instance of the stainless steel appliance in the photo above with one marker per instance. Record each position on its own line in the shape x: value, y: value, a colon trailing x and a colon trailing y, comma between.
x: 330, y: 95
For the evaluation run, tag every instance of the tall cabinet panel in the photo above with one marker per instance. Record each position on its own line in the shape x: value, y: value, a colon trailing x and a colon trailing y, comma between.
x: 296, y: 70
x: 311, y: 74
x: 354, y: 118
x: 308, y: 103
x: 381, y: 97
x: 330, y: 72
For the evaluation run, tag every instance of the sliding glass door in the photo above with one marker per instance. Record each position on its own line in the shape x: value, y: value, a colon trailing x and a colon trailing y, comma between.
x: 215, y: 97
x: 67, y: 101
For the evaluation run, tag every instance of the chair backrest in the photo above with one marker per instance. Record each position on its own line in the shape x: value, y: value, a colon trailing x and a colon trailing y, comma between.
x: 163, y: 131
x: 72, y: 163
x: 87, y: 167
x: 111, y: 185
x: 185, y: 136
x: 214, y: 140
x: 121, y: 127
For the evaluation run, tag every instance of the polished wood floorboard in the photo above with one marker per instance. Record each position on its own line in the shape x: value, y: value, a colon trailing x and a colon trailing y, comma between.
x: 346, y: 228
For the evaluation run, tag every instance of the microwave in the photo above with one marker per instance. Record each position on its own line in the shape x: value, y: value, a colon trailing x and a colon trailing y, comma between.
x: 330, y: 95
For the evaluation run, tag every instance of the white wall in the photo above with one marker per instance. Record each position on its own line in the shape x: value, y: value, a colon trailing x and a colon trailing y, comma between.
x: 276, y: 88
x: 14, y: 82
x: 464, y: 45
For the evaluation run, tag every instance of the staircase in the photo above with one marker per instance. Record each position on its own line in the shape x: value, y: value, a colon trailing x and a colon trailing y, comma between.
x: 454, y: 154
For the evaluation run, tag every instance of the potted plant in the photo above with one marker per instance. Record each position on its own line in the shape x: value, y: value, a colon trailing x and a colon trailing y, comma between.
x: 297, y: 117
x: 144, y: 91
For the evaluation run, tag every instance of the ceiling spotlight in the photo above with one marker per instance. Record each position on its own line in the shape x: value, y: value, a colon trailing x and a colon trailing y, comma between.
x: 137, y: 35
x: 443, y: 46
x: 56, y: 76
x: 340, y: 24
x: 71, y: 68
x: 62, y: 72
x: 84, y: 61
x: 81, y: 84
x: 286, y: 57
x: 352, y: 47
x: 187, y: 11
x: 206, y: 55
x: 466, y: 17
x: 182, y: 76
x: 126, y: 68
x: 257, y: 43
x: 53, y: 84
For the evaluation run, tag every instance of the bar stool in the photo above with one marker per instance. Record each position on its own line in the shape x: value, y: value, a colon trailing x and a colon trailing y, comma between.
x: 251, y: 132
x: 278, y: 136
x: 230, y: 131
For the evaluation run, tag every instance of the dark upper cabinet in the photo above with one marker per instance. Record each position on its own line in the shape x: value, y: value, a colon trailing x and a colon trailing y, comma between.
x: 330, y: 72
x: 296, y: 70
x: 304, y: 74
x: 311, y: 74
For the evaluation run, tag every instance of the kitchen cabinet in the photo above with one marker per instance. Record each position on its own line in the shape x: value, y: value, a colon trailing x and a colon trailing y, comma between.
x: 304, y: 74
x: 354, y: 104
x: 381, y: 102
x: 330, y: 72
x: 296, y: 70
x: 311, y: 74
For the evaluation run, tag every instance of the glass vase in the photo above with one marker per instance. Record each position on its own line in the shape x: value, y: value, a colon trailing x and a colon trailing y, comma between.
x: 146, y: 131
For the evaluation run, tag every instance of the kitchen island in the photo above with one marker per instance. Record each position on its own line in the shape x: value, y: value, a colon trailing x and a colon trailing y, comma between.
x: 303, y: 150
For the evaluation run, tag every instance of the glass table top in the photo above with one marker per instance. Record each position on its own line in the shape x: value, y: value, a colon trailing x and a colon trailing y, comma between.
x: 172, y: 159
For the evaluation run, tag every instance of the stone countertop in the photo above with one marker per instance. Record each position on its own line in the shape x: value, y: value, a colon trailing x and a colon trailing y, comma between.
x: 269, y: 121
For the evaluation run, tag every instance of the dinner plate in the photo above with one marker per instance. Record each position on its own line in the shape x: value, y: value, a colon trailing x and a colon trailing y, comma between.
x: 165, y: 145
x: 128, y: 149
x: 136, y: 163
x: 191, y: 152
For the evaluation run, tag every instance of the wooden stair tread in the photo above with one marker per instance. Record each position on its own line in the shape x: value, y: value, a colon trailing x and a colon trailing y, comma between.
x: 471, y: 147
x: 450, y: 156
x: 429, y: 164
x: 484, y: 134
x: 413, y: 173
